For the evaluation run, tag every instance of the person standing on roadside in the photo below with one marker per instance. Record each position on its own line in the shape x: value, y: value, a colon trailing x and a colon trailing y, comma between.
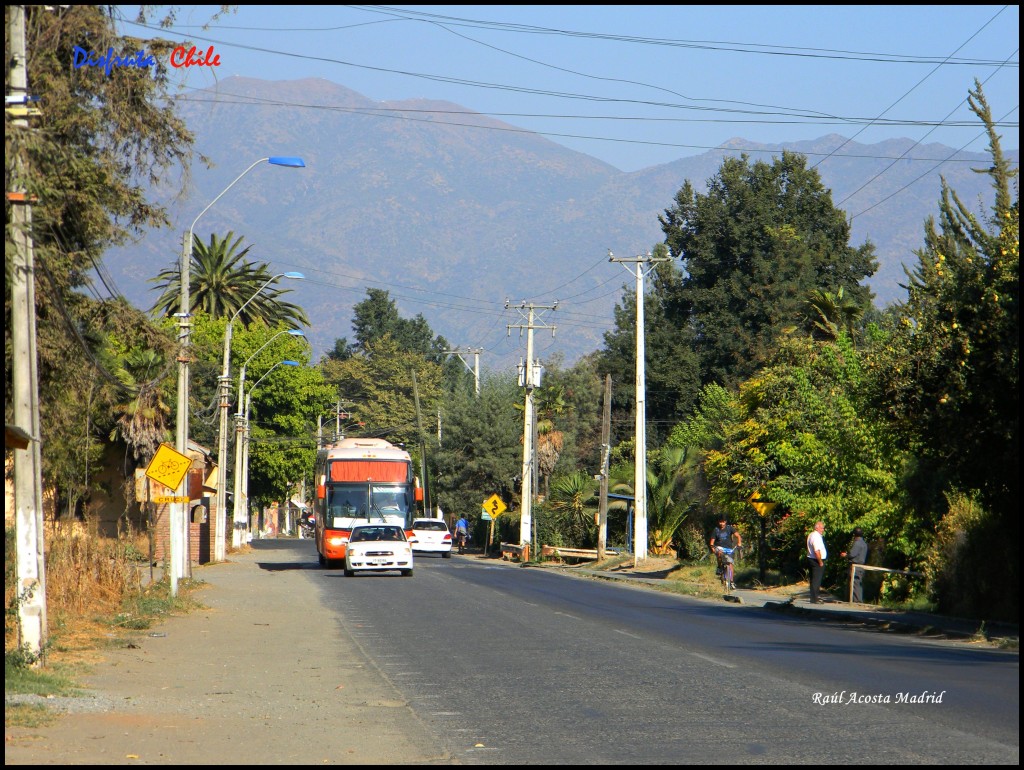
x: 816, y: 555
x: 858, y: 555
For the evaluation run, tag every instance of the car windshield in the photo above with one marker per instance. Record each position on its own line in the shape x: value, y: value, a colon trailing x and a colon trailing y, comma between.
x: 430, y: 526
x: 366, y: 534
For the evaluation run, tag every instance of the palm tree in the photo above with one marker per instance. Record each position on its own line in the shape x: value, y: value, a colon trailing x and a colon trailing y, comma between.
x: 667, y: 506
x: 221, y: 281
x: 549, y: 402
x: 571, y: 497
x: 142, y: 422
x: 834, y: 313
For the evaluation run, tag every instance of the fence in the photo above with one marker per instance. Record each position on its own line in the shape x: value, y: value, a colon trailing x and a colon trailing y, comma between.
x: 855, y: 567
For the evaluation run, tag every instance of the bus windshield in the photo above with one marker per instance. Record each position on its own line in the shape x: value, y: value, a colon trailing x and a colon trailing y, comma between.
x: 365, y: 502
x: 344, y: 502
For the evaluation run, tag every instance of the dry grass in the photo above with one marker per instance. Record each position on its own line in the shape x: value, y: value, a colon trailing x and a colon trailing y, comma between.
x: 88, y: 580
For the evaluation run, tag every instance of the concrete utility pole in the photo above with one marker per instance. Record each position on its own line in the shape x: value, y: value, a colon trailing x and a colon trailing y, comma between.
x: 529, y: 379
x: 606, y: 453
x: 28, y: 478
x: 640, y: 477
x: 476, y: 364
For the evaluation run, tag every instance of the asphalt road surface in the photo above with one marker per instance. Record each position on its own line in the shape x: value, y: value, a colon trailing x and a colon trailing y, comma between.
x: 474, y: 661
x: 523, y: 666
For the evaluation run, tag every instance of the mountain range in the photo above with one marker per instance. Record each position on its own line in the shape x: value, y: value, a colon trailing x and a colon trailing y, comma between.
x: 455, y: 214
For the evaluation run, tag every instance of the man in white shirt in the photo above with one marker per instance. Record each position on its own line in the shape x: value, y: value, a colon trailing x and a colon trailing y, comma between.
x: 816, y: 555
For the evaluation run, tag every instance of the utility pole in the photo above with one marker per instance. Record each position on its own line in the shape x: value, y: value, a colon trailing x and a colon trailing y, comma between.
x: 177, y: 558
x: 28, y: 479
x: 529, y: 379
x: 476, y: 364
x: 642, y: 266
x: 606, y: 452
x: 423, y: 445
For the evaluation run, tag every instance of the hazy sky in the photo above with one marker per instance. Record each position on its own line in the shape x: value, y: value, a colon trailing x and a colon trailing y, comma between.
x: 638, y: 85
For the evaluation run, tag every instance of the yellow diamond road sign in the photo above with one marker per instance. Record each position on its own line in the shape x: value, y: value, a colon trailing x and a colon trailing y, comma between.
x: 168, y: 466
x: 494, y: 506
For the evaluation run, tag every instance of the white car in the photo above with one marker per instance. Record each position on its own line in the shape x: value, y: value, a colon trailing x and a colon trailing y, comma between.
x: 378, y: 547
x: 432, y: 536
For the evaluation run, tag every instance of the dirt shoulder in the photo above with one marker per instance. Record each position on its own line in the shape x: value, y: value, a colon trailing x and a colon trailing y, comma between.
x: 225, y: 686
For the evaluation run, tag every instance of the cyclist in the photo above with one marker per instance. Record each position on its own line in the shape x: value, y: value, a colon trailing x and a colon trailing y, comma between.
x: 722, y: 545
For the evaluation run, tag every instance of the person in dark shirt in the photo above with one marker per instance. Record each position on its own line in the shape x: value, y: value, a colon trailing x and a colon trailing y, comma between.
x: 858, y: 554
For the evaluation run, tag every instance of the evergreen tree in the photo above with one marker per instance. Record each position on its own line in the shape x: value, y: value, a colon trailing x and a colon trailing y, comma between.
x: 752, y: 248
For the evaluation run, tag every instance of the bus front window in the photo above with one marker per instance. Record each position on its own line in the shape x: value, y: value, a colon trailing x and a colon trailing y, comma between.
x: 345, y: 502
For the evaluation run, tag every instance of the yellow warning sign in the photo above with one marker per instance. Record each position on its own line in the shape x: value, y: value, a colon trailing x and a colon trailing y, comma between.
x: 494, y: 506
x: 168, y: 466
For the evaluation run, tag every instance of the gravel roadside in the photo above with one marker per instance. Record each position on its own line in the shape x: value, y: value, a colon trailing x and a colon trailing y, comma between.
x: 225, y: 685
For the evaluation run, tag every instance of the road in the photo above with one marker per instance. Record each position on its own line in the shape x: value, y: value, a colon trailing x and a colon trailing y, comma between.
x: 474, y: 661
x: 513, y: 665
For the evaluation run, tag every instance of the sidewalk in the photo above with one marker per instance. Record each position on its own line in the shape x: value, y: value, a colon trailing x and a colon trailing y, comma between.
x: 262, y: 675
x: 837, y: 611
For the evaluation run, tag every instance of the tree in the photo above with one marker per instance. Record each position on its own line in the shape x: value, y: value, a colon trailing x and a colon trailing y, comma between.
x: 379, y: 381
x: 572, y: 502
x: 671, y: 366
x: 752, y: 248
x: 99, y: 142
x: 804, y: 438
x: 949, y: 373
x: 833, y: 313
x: 378, y: 315
x: 667, y: 500
x: 481, y: 453
x: 222, y: 282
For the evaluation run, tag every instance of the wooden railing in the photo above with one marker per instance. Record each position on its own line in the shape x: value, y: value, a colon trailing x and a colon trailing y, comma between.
x: 878, y: 569
x: 515, y: 552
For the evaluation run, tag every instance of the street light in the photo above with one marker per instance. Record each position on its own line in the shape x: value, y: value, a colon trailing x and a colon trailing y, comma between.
x: 245, y: 439
x: 179, y: 561
x: 238, y: 519
x: 220, y: 544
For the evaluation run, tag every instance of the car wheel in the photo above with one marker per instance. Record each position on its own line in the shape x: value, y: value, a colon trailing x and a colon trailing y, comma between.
x: 320, y: 558
x: 446, y: 555
x: 407, y: 573
x: 350, y: 572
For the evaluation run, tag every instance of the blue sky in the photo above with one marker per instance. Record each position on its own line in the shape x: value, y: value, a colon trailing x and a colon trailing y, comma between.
x: 637, y: 86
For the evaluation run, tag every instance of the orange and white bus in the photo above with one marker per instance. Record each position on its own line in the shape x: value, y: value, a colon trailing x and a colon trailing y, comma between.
x: 360, y: 480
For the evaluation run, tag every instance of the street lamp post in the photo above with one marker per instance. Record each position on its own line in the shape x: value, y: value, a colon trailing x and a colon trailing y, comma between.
x: 220, y: 541
x: 178, y: 557
x: 245, y: 438
x: 239, y: 520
